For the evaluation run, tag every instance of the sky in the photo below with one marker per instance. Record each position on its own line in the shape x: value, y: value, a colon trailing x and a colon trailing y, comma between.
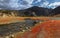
x: 24, y: 4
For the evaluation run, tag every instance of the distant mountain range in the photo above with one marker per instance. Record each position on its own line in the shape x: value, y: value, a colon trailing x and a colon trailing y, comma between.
x: 55, y: 12
x: 35, y: 11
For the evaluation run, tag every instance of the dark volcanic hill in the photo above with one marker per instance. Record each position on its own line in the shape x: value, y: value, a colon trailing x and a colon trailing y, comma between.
x: 55, y: 12
x: 35, y: 11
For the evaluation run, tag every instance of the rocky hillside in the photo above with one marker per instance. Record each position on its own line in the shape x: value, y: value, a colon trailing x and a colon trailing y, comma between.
x: 32, y: 11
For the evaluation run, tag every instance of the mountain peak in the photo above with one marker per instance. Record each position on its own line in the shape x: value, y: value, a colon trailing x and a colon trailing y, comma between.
x: 35, y: 6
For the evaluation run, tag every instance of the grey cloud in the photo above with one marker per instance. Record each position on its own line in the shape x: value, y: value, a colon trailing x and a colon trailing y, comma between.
x: 22, y: 4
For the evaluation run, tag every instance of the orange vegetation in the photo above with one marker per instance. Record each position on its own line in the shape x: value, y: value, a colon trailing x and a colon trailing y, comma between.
x: 49, y: 29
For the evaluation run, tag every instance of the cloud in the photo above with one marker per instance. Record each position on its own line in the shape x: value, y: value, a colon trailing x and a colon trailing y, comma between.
x: 20, y: 4
x: 4, y: 4
x: 23, y: 4
x: 37, y: 1
x: 44, y: 3
x: 54, y: 5
x: 15, y: 4
x: 29, y: 1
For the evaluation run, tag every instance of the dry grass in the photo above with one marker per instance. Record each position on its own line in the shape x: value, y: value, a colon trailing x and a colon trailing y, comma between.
x: 4, y: 20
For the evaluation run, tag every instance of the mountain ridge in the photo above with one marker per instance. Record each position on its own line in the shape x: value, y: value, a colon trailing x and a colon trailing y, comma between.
x: 34, y: 11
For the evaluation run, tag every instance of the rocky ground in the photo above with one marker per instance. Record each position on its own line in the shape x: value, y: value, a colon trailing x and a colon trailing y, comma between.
x: 12, y: 28
x: 10, y: 25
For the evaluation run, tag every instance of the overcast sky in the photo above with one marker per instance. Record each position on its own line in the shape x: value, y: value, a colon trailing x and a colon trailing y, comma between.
x: 23, y: 4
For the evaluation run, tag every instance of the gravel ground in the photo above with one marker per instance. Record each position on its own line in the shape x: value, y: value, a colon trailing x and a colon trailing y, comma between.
x: 7, y: 29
